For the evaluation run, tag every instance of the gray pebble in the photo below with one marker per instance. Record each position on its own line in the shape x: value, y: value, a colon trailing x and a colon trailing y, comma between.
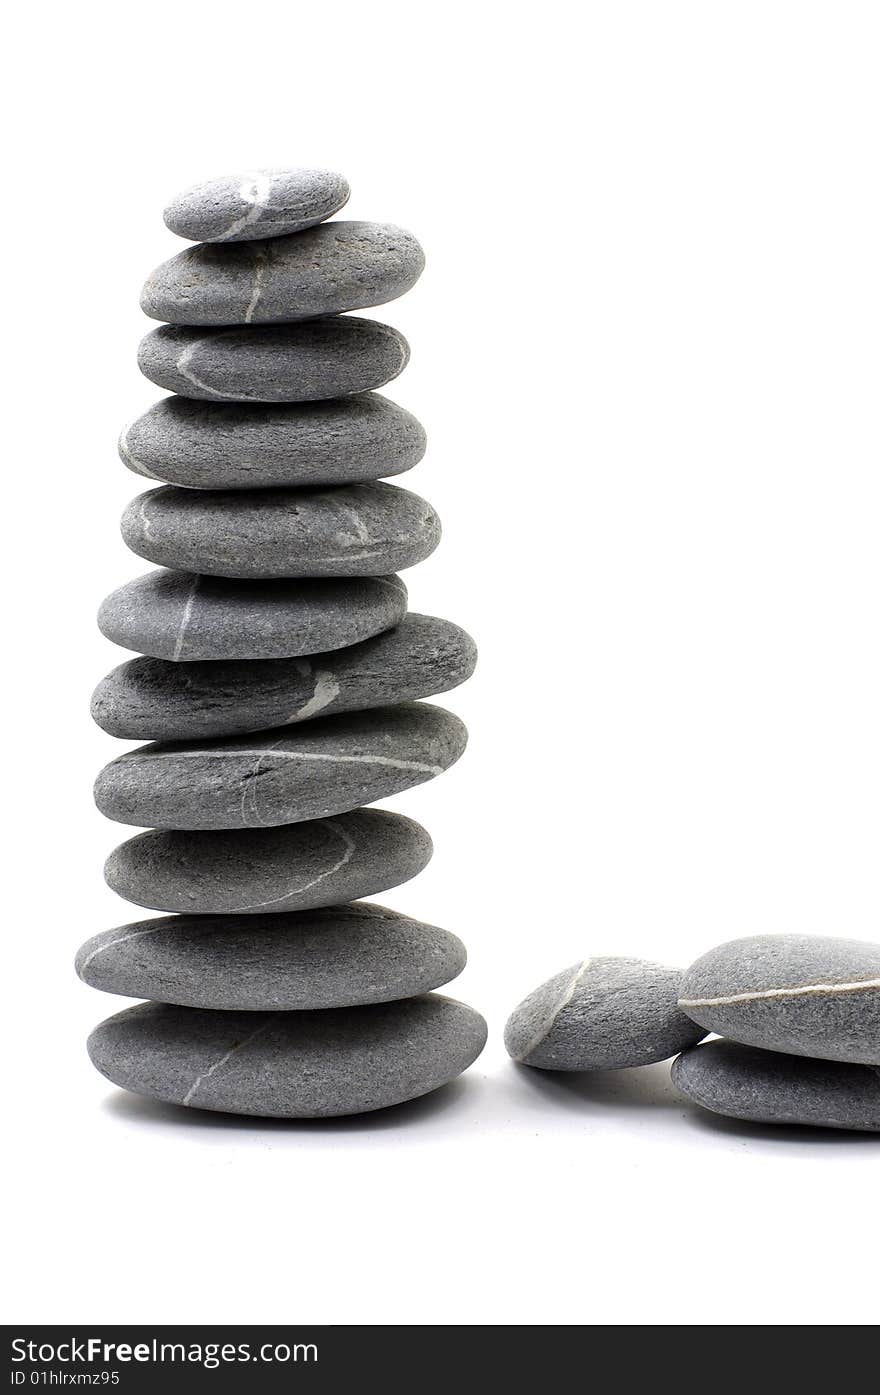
x: 338, y: 266
x: 290, y: 1064
x: 769, y: 1087
x: 184, y: 617
x: 258, y: 203
x: 221, y: 445
x: 349, y: 530
x: 155, y: 700
x: 294, y: 867
x: 341, y: 956
x: 805, y: 994
x: 282, y: 776
x: 305, y: 362
x: 602, y: 1014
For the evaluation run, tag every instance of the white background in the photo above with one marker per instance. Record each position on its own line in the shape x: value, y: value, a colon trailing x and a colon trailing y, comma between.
x: 645, y: 350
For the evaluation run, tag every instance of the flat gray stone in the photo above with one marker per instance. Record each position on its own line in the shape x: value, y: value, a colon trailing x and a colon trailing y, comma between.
x: 769, y: 1087
x: 285, y: 775
x: 810, y: 995
x: 349, y: 530
x: 221, y: 445
x: 156, y: 700
x: 289, y: 1065
x: 295, y: 867
x: 257, y: 203
x: 304, y: 362
x: 338, y: 266
x: 602, y: 1014
x: 186, y: 618
x: 341, y: 956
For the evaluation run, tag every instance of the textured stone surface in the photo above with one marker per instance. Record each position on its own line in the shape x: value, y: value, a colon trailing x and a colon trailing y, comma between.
x: 294, y: 867
x: 602, y: 1014
x: 281, y: 776
x: 289, y: 1064
x: 304, y: 362
x: 224, y: 445
x: 341, y: 956
x: 257, y: 203
x: 769, y: 1087
x: 339, y: 266
x: 350, y: 530
x: 185, y: 618
x: 810, y: 995
x: 156, y: 700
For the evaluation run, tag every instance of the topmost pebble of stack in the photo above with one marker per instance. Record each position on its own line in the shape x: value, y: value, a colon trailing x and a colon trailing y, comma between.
x: 259, y: 203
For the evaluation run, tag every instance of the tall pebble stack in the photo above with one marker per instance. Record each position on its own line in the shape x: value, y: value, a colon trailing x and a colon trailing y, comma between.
x: 280, y: 679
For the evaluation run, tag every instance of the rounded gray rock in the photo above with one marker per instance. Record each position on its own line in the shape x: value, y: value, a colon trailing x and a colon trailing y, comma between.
x: 809, y: 995
x: 338, y: 266
x: 349, y: 530
x: 285, y: 775
x: 221, y: 445
x: 340, y: 956
x: 258, y: 203
x: 289, y: 1065
x: 294, y: 867
x: 156, y: 700
x: 602, y: 1014
x: 305, y: 362
x: 770, y: 1087
x: 185, y: 618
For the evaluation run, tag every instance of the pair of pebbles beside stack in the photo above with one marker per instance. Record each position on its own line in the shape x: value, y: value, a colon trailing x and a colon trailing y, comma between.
x: 798, y: 1017
x: 280, y: 679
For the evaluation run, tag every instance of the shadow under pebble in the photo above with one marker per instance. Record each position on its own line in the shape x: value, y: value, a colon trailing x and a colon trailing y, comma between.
x: 786, y: 1134
x: 640, y: 1088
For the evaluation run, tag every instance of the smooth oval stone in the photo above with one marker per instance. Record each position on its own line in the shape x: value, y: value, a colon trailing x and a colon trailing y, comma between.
x: 258, y: 203
x: 221, y: 445
x: 770, y: 1087
x: 281, y: 776
x: 341, y: 956
x: 294, y: 867
x: 185, y: 618
x: 304, y: 362
x: 602, y: 1014
x: 156, y: 700
x: 339, y: 266
x: 810, y: 995
x: 351, y: 530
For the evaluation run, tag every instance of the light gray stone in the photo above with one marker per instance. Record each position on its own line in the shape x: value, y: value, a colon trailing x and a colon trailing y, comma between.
x: 289, y: 1064
x: 770, y: 1087
x: 810, y: 995
x: 156, y: 700
x: 185, y: 618
x: 294, y: 867
x: 305, y: 362
x: 602, y: 1014
x: 222, y: 445
x: 257, y: 203
x: 285, y: 775
x: 349, y: 530
x: 338, y: 266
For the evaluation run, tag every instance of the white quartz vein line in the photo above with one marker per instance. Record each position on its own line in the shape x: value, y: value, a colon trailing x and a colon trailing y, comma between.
x: 261, y: 262
x: 391, y: 761
x: 326, y: 691
x: 137, y: 465
x: 547, y: 1027
x: 758, y: 994
x: 145, y: 520
x: 120, y: 940
x: 182, y: 366
x: 349, y: 846
x: 184, y: 619
x: 254, y: 190
x: 227, y: 1055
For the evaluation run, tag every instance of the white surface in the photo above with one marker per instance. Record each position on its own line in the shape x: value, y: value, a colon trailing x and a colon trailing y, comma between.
x: 645, y: 350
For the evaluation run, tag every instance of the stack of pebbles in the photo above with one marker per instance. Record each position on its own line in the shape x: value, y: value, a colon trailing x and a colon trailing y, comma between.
x: 279, y: 680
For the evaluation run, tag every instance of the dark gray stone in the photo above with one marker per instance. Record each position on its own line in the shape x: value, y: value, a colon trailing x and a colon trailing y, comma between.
x: 258, y: 203
x: 602, y: 1014
x: 185, y: 618
x: 294, y: 867
x: 281, y: 776
x: 810, y: 995
x: 304, y: 362
x: 156, y: 700
x: 338, y: 266
x: 349, y: 530
x: 221, y: 445
x: 290, y: 1065
x: 770, y: 1087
